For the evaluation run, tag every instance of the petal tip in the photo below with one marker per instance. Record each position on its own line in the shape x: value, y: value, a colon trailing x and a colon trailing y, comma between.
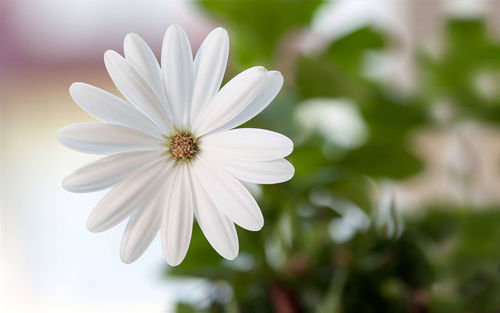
x: 289, y: 146
x: 174, y: 28
x: 260, y: 69
x: 231, y: 256
x: 60, y: 135
x: 290, y: 174
x: 129, y: 40
x: 257, y: 225
x: 74, y: 86
x: 173, y: 262
x: 126, y: 259
x: 130, y: 36
x: 230, y: 252
x: 109, y: 54
x: 126, y: 256
x: 221, y: 31
x: 92, y: 225
x: 277, y: 75
x: 67, y: 183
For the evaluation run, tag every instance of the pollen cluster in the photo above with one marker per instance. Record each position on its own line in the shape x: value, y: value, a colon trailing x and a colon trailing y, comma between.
x: 183, y: 146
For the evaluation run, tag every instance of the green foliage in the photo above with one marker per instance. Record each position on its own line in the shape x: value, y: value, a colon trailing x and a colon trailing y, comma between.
x: 469, y: 56
x: 184, y: 308
x: 446, y: 261
x: 467, y: 259
x: 258, y: 27
x: 337, y: 73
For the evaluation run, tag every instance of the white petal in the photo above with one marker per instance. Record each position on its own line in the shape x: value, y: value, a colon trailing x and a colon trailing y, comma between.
x: 272, y: 85
x: 233, y: 98
x: 218, y: 229
x: 177, y: 217
x: 101, y: 138
x: 108, y: 108
x: 258, y: 172
x: 136, y: 89
x: 138, y: 53
x: 127, y: 196
x: 108, y: 171
x: 250, y: 144
x: 177, y: 66
x: 230, y: 197
x: 209, y: 67
x: 141, y: 229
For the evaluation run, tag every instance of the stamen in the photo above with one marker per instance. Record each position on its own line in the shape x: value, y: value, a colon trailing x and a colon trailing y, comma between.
x: 183, y: 146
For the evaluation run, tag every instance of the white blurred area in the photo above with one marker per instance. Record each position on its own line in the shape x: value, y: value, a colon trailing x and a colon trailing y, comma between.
x: 62, y: 31
x: 338, y: 121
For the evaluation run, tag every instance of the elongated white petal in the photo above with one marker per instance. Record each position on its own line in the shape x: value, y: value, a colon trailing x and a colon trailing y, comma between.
x: 230, y: 197
x: 233, y: 98
x: 177, y: 217
x: 128, y: 196
x: 108, y: 171
x: 138, y: 53
x: 272, y: 85
x: 108, y: 108
x: 217, y: 228
x: 249, y: 144
x: 142, y: 228
x: 101, y: 138
x: 258, y: 172
x: 177, y: 66
x: 136, y: 89
x: 209, y: 67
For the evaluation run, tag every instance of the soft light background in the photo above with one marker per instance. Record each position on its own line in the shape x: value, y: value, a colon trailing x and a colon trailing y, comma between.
x: 444, y: 171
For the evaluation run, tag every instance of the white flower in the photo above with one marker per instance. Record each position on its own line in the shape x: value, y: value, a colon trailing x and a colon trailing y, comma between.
x: 337, y: 120
x: 388, y: 219
x: 174, y: 153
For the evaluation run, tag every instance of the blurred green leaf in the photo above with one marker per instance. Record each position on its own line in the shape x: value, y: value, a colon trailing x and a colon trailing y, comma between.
x: 182, y: 307
x: 382, y: 160
x: 469, y: 57
x: 258, y: 27
x: 337, y: 72
x: 467, y: 258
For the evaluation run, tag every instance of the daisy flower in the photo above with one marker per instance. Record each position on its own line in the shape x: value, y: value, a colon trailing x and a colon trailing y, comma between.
x: 173, y: 151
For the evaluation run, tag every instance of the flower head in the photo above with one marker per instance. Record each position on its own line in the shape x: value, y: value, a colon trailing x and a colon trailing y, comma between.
x: 173, y: 152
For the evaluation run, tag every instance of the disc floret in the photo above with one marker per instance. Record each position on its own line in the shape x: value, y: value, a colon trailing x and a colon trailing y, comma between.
x: 183, y: 146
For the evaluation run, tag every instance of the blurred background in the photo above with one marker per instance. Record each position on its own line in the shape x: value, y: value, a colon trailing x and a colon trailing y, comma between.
x: 394, y: 109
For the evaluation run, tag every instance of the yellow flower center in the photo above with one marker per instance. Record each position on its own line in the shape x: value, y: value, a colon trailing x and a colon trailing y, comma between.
x: 183, y: 146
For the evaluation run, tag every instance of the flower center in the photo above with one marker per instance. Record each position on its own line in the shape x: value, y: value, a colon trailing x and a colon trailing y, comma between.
x: 183, y: 146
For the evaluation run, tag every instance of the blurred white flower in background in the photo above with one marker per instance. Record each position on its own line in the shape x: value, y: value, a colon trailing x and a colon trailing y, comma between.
x: 386, y: 216
x: 486, y: 84
x: 388, y: 219
x: 279, y: 242
x: 461, y: 167
x: 352, y: 220
x: 408, y: 25
x: 338, y: 120
x: 392, y: 18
